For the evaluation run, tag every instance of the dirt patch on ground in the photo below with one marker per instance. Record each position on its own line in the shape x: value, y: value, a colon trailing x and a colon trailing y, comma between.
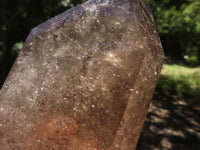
x: 172, y: 123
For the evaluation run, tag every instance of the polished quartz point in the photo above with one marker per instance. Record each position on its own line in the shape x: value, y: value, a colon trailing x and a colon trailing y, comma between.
x: 83, y: 80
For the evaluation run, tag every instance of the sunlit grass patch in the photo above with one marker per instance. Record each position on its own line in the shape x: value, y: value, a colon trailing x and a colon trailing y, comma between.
x: 180, y: 80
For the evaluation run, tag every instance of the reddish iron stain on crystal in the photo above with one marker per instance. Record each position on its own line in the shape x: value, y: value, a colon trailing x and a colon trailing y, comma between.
x: 59, y: 130
x: 64, y: 130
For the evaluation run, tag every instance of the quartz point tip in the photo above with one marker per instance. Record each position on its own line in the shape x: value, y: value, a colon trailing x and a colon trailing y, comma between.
x: 83, y: 80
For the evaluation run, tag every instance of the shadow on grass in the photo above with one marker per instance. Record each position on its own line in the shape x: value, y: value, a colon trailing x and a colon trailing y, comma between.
x: 180, y: 87
x: 173, y: 121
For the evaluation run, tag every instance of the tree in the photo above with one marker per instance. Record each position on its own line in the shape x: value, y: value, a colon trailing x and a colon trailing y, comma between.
x: 178, y: 23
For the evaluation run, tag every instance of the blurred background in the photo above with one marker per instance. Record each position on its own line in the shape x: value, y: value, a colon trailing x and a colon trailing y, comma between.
x: 173, y: 121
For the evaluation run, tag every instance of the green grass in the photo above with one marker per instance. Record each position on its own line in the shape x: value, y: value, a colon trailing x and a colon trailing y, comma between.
x: 181, y: 80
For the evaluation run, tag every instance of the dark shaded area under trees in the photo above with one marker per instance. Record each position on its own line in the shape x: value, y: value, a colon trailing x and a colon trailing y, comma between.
x: 173, y: 120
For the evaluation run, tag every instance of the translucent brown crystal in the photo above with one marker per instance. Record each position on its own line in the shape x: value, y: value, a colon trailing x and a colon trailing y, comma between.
x: 83, y: 80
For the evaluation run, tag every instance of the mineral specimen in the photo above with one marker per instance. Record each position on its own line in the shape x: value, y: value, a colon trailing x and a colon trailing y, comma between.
x: 83, y: 80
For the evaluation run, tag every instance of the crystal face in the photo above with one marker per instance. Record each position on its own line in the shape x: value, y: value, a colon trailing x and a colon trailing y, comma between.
x: 83, y: 80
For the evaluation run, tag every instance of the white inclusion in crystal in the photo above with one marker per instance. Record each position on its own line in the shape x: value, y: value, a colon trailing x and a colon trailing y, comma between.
x: 42, y: 88
x: 85, y: 108
x: 21, y: 81
x: 40, y: 37
x: 57, y: 66
x: 105, y: 3
x: 31, y: 44
x: 1, y: 125
x: 44, y: 63
x: 1, y: 109
x: 117, y: 23
x: 78, y: 57
x: 93, y: 8
x: 145, y: 79
x: 131, y: 89
x: 112, y: 58
x: 97, y: 77
x: 36, y: 92
x: 30, y: 100
x: 141, y: 46
x: 93, y: 106
x: 91, y: 89
x: 24, y: 59
x: 75, y: 109
x: 137, y: 92
x: 156, y: 73
x: 110, y: 55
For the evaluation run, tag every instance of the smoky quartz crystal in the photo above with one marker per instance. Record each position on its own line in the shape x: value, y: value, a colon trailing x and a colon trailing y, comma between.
x: 83, y: 80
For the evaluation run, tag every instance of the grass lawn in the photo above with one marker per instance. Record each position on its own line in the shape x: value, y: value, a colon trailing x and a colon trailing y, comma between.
x: 181, y: 80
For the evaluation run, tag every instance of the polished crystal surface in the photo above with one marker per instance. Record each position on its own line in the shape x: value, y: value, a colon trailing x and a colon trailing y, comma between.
x: 83, y: 80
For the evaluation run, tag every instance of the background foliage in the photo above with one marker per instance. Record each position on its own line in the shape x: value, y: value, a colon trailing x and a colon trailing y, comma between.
x: 179, y: 27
